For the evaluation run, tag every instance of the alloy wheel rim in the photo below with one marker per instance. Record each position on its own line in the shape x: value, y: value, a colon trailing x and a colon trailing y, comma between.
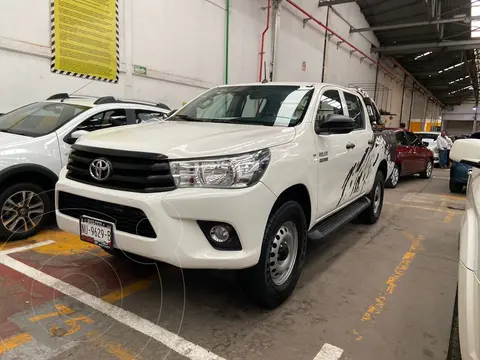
x: 395, y: 176
x: 22, y: 211
x: 429, y: 169
x: 377, y: 197
x: 283, y: 253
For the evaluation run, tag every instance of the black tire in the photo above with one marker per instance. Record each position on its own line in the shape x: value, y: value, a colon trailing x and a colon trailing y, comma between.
x: 371, y: 214
x: 427, y: 173
x: 40, y: 219
x: 394, y: 178
x: 455, y: 187
x: 258, y: 282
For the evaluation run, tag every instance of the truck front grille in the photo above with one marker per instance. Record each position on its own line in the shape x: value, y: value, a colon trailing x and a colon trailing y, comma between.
x: 127, y: 219
x: 130, y: 171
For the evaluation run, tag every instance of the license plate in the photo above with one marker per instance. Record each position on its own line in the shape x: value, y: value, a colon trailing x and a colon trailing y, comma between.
x: 96, y: 231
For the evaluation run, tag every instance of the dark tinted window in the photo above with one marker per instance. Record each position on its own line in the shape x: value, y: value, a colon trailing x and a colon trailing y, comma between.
x: 104, y: 120
x: 412, y: 140
x: 355, y: 110
x: 330, y: 103
x: 39, y: 119
x: 401, y: 139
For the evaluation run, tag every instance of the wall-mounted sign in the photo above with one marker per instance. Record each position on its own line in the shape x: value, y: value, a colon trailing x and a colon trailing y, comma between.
x: 85, y: 39
x: 138, y: 69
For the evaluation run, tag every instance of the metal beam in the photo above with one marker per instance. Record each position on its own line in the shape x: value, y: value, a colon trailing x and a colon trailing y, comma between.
x: 445, y: 45
x: 465, y: 20
x: 333, y: 2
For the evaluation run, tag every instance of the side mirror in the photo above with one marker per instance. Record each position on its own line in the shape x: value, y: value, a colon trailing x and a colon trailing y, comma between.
x: 334, y: 124
x: 73, y: 137
x: 466, y: 151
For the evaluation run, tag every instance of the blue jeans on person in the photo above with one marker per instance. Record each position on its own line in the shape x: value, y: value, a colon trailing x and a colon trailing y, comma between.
x: 443, y: 157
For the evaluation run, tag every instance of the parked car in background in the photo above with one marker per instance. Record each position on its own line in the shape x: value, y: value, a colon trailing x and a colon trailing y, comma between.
x: 465, y: 334
x: 431, y: 139
x: 35, y: 142
x: 412, y: 157
x: 304, y: 157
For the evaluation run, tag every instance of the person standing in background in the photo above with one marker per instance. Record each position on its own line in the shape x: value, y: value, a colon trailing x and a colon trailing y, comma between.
x: 403, y: 126
x: 444, y: 144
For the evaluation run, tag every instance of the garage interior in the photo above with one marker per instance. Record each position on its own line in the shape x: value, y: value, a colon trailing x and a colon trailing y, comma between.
x: 382, y: 292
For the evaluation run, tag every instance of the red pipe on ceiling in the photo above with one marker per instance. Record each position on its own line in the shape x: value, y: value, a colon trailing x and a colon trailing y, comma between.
x: 263, y: 41
x: 340, y: 37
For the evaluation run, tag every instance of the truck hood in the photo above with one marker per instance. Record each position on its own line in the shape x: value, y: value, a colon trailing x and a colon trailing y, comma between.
x: 182, y: 139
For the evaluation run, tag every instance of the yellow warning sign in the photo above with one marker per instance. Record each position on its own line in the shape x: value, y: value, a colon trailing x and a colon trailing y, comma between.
x: 85, y: 39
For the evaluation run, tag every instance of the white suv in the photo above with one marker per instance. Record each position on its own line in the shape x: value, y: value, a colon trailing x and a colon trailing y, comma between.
x: 233, y: 180
x: 468, y: 301
x: 35, y: 142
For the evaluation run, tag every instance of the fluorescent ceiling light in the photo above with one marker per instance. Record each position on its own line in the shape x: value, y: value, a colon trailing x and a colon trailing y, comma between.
x: 451, y: 67
x: 459, y: 79
x: 422, y: 55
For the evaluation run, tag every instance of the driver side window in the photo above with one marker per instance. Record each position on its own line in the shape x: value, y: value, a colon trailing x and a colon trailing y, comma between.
x: 104, y: 120
x: 355, y: 110
x: 330, y: 103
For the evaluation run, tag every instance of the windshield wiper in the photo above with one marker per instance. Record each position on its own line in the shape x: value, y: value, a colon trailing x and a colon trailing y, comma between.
x: 186, y: 118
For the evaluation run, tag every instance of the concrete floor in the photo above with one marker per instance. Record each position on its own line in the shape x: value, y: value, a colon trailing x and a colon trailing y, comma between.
x: 381, y: 292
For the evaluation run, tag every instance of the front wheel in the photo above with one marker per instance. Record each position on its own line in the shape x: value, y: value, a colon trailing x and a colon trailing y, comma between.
x: 427, y: 173
x: 455, y: 187
x: 394, y: 178
x: 371, y: 214
x: 24, y: 210
x: 274, y: 278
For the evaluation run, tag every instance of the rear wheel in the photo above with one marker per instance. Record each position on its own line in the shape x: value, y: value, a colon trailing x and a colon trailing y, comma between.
x: 394, y: 178
x: 24, y: 210
x: 371, y: 214
x: 274, y: 278
x: 427, y: 173
x: 455, y: 187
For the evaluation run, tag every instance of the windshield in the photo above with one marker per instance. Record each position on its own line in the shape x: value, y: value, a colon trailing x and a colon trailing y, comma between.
x: 39, y: 119
x: 427, y: 137
x: 269, y: 105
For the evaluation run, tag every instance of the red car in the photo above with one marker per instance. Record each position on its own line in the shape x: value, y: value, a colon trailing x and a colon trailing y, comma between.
x: 413, y: 157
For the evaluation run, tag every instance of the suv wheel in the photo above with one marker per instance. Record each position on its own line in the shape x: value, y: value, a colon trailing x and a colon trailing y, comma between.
x: 371, y: 214
x: 427, y: 173
x: 24, y: 209
x: 394, y: 178
x: 274, y: 278
x: 455, y: 187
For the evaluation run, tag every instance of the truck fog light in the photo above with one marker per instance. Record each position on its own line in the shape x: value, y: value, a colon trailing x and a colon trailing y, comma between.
x: 219, y: 233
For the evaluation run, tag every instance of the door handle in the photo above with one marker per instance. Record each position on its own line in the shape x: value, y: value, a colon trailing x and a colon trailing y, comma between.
x: 350, y: 146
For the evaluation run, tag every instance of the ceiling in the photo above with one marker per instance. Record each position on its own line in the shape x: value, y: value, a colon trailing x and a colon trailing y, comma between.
x: 447, y: 44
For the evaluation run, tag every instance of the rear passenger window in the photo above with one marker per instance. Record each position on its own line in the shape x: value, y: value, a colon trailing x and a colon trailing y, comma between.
x: 355, y: 110
x: 104, y: 120
x: 330, y: 103
x: 145, y: 116
x: 401, y: 139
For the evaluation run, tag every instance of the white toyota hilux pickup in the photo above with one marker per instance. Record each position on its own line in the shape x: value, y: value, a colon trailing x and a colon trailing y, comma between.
x: 238, y: 178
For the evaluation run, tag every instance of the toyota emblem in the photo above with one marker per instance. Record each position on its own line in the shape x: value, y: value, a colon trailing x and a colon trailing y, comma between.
x: 100, y: 169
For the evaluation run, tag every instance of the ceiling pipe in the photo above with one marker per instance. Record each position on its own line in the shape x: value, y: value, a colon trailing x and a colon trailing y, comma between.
x: 356, y: 49
x: 262, y: 49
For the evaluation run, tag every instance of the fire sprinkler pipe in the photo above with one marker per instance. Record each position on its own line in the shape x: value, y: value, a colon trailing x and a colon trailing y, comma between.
x: 343, y: 40
x: 262, y: 49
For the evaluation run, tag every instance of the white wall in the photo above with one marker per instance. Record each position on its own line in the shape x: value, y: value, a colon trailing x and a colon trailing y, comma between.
x: 182, y: 44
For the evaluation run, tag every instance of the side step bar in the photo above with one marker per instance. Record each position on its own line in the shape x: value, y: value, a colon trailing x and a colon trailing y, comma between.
x: 339, y: 219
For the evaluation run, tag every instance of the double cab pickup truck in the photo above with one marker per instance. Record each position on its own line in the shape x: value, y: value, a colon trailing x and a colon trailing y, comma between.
x: 238, y: 178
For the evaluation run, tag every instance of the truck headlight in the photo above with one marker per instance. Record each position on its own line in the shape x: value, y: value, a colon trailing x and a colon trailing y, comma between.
x: 238, y: 171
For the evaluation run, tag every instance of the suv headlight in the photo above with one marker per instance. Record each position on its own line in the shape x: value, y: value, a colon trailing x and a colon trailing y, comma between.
x: 238, y: 171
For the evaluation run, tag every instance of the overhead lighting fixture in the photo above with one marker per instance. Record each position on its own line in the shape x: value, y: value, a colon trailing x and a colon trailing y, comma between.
x: 459, y: 79
x: 422, y: 55
x: 458, y: 90
x: 452, y: 67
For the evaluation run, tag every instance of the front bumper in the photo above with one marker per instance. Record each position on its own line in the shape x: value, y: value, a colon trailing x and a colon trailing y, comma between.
x: 179, y: 240
x: 469, y: 313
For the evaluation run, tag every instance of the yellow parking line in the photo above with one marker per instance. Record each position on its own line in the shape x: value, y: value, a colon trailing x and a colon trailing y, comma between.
x: 13, y: 342
x: 111, y: 347
x: 423, y: 207
x: 127, y: 291
x: 392, y: 282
